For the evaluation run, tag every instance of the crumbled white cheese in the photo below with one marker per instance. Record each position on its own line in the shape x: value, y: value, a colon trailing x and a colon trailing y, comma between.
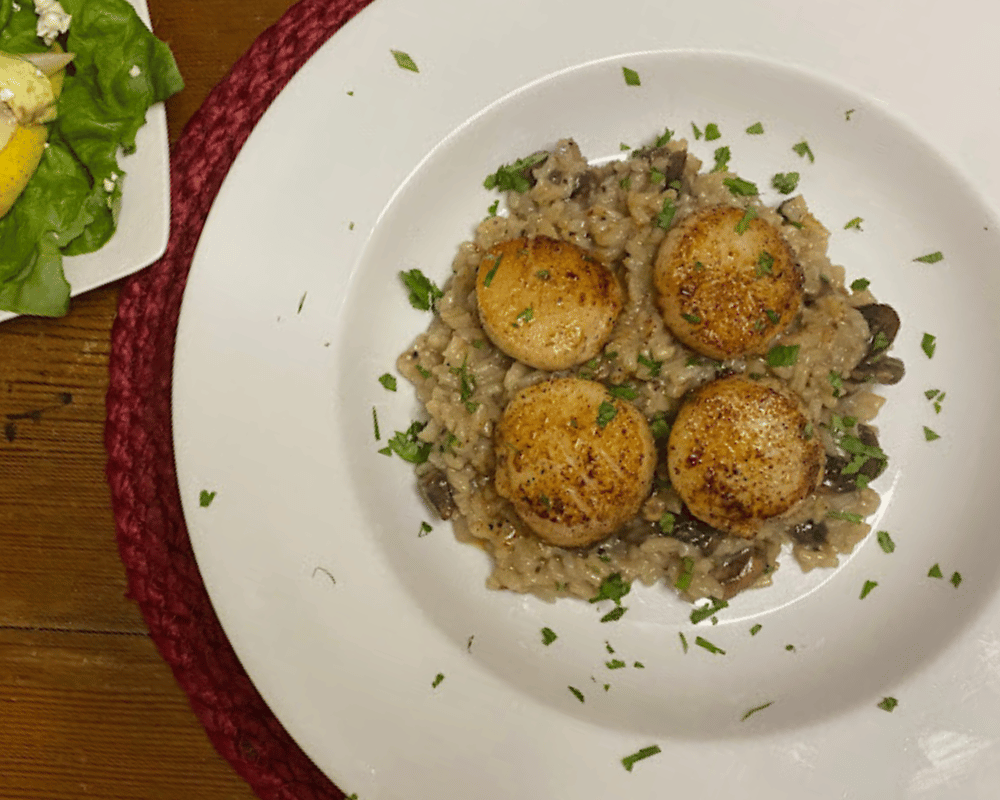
x: 52, y: 20
x: 114, y: 176
x: 15, y: 6
x: 109, y: 185
x: 135, y: 72
x: 6, y: 95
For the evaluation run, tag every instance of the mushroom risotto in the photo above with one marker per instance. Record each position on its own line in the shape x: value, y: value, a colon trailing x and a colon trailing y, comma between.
x: 643, y: 371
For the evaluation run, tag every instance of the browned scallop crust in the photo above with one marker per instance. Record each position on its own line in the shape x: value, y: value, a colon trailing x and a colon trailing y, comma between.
x: 546, y: 303
x: 740, y: 452
x: 724, y: 293
x: 575, y: 462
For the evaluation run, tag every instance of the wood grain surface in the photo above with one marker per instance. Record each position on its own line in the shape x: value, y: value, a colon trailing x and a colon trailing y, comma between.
x: 87, y: 707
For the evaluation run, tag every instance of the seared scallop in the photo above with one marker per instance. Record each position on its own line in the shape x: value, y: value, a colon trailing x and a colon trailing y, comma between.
x: 741, y: 452
x: 575, y: 462
x: 727, y: 282
x: 546, y: 303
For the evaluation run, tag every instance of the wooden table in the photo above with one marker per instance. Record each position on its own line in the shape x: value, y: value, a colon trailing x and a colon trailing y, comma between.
x: 87, y: 707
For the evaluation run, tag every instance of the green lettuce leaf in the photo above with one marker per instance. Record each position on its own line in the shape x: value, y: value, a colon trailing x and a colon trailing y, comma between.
x: 120, y: 70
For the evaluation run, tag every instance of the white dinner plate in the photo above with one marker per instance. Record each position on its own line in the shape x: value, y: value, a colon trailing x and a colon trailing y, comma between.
x: 379, y: 648
x: 144, y: 223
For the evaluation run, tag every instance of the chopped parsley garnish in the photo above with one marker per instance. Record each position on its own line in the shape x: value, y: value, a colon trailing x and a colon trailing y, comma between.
x: 928, y: 344
x: 511, y: 177
x: 782, y: 355
x: 694, y: 319
x: 785, y: 182
x: 659, y: 426
x: 773, y: 315
x: 629, y: 761
x: 576, y: 693
x: 683, y: 582
x: 302, y: 302
x: 930, y: 435
x: 837, y: 382
x: 697, y: 131
x: 425, y: 528
x: 756, y: 629
x: 676, y: 185
x: 854, y: 223
x: 888, y: 703
x: 756, y: 129
x: 403, y: 60
x: 663, y: 138
x: 605, y: 413
x: 804, y: 151
x: 378, y: 436
x: 652, y: 365
x: 493, y: 271
x: 437, y: 680
x: 424, y: 372
x: 543, y: 274
x: 615, y: 663
x: 881, y: 341
x: 608, y: 647
x: 860, y: 284
x: 626, y: 182
x: 667, y: 520
x: 631, y: 77
x: 846, y: 516
x: 931, y: 258
x: 935, y: 572
x: 655, y: 176
x: 684, y: 641
x: 666, y: 215
x: 847, y: 114
x: 765, y: 264
x: 740, y: 187
x: 467, y: 381
x: 956, y: 579
x: 614, y: 614
x: 867, y: 589
x: 548, y: 636
x: 624, y: 146
x: 423, y: 291
x: 885, y: 541
x: 525, y: 316
x: 406, y: 445
x: 790, y: 648
x: 722, y: 156
x: 712, y: 132
x: 612, y: 588
x: 748, y: 216
x: 704, y: 612
x: 624, y: 391
x: 753, y: 711
x: 709, y: 646
x: 492, y: 210
x: 205, y: 498
x: 388, y: 381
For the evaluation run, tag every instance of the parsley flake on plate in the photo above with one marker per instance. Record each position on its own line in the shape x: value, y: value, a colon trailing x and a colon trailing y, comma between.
x: 854, y: 223
x: 684, y: 641
x: 867, y: 589
x: 722, y: 156
x: 707, y: 645
x: 425, y: 528
x: 756, y: 129
x: 576, y: 693
x: 888, y: 703
x: 782, y: 355
x: 754, y: 710
x: 785, y: 182
x: 706, y: 611
x: 404, y: 61
x: 423, y: 291
x: 860, y: 284
x: 205, y: 498
x: 756, y: 629
x: 378, y: 436
x: 407, y: 446
x: 631, y: 77
x: 930, y: 435
x: 804, y: 151
x: 615, y: 663
x: 514, y: 177
x: 740, y: 187
x: 712, y: 132
x: 956, y: 579
x: 629, y: 761
x: 935, y: 572
x: 437, y: 680
x: 388, y: 381
x: 885, y: 541
x: 931, y: 258
x: 548, y: 636
x: 928, y: 344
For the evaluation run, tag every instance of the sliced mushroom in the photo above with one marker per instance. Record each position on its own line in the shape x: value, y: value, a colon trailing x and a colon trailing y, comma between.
x: 834, y: 477
x: 693, y: 531
x: 437, y: 491
x: 810, y: 534
x: 668, y: 160
x: 883, y: 325
x: 739, y: 571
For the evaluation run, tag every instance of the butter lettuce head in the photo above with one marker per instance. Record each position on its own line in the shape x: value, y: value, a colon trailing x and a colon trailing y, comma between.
x: 120, y: 70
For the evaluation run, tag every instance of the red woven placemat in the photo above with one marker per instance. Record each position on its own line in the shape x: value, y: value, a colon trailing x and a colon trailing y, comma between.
x: 152, y: 538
